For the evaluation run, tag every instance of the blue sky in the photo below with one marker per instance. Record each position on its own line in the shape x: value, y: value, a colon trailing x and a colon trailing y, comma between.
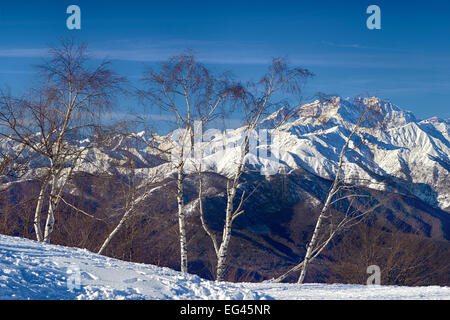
x: 407, y: 61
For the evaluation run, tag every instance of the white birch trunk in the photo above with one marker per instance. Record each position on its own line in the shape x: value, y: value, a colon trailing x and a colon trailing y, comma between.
x: 125, y: 217
x: 331, y: 193
x: 226, y: 236
x: 181, y: 221
x: 202, y: 215
x: 312, y: 243
x: 50, y: 223
x: 37, y: 214
x: 114, y: 232
x: 230, y: 215
x: 52, y: 203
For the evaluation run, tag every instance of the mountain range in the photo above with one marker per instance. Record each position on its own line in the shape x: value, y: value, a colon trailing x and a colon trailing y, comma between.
x: 412, y: 155
x: 406, y: 164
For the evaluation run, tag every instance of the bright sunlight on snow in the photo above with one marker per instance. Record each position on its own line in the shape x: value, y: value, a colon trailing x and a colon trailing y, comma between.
x: 31, y: 270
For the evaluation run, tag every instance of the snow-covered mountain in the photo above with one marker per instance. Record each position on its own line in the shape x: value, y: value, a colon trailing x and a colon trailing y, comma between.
x: 408, y: 156
x: 32, y: 270
x: 414, y: 154
x: 411, y: 153
x: 406, y: 166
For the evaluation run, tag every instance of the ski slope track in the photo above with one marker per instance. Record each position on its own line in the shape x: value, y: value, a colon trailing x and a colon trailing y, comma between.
x: 32, y: 270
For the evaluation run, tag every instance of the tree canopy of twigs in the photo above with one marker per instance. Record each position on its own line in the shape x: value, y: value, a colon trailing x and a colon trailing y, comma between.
x: 66, y: 104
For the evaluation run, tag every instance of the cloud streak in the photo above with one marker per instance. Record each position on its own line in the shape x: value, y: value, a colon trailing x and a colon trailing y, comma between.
x: 23, y: 52
x: 213, y: 52
x: 228, y: 52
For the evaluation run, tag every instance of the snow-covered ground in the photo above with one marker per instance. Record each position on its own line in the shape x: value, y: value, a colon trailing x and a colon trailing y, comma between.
x: 31, y: 270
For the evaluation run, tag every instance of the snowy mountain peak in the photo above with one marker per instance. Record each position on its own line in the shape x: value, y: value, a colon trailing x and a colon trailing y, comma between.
x: 415, y: 155
x: 338, y: 110
x: 405, y: 149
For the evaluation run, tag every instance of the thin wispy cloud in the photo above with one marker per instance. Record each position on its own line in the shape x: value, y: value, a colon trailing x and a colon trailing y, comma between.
x: 148, y: 50
x: 359, y: 46
x: 345, y: 45
x: 23, y: 52
x: 232, y: 53
x: 223, y: 52
x: 16, y: 72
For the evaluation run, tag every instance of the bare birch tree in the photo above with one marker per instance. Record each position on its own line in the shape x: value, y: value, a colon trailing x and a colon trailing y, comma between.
x: 51, y: 119
x: 187, y: 92
x: 257, y: 100
x: 342, y: 192
x: 134, y: 190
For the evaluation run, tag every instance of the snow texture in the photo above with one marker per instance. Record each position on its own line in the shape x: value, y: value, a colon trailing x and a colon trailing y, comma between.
x: 32, y: 270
